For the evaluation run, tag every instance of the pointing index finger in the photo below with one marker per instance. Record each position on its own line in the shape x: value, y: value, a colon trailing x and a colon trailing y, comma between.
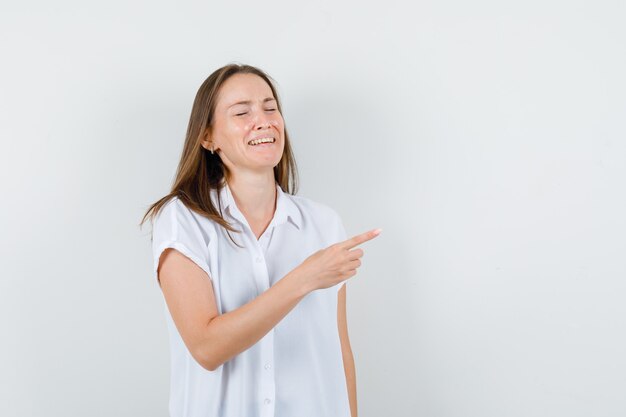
x: 361, y: 238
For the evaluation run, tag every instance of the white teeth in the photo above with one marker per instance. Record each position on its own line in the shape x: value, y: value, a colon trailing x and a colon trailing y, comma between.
x: 261, y: 140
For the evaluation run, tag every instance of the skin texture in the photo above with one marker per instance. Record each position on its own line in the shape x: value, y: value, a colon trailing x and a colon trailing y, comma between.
x: 214, y: 338
x: 346, y: 351
x: 252, y: 180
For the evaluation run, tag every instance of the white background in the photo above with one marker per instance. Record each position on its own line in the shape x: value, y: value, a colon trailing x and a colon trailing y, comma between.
x: 486, y: 138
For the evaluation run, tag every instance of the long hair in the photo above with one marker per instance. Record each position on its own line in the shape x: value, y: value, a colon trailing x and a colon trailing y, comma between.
x: 199, y: 171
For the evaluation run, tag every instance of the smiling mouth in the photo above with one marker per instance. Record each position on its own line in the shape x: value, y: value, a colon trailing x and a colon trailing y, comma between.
x: 262, y: 141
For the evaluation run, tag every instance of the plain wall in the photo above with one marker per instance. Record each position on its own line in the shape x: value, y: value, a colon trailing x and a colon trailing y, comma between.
x: 486, y: 138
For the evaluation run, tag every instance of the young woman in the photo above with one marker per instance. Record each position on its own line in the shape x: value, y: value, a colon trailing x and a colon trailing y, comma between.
x: 256, y: 318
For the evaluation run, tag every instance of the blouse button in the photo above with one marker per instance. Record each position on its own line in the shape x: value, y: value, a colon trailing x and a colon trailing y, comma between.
x: 258, y: 259
x: 268, y: 366
x: 267, y: 401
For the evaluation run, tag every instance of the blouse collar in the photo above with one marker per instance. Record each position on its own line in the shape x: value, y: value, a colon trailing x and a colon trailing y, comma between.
x: 286, y: 209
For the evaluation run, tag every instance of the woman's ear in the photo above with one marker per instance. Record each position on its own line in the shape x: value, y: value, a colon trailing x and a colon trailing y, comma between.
x: 206, y: 142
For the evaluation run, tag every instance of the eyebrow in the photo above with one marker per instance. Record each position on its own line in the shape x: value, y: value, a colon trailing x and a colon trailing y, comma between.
x: 248, y: 101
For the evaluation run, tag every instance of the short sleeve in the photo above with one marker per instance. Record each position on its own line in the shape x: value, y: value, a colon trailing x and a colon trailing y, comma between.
x: 175, y: 226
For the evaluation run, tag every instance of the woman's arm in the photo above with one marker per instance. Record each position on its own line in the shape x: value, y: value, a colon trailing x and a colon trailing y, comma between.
x: 213, y: 339
x: 346, y: 350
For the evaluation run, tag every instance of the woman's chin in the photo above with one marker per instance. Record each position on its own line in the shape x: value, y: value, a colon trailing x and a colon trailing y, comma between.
x: 264, y: 163
x: 266, y: 156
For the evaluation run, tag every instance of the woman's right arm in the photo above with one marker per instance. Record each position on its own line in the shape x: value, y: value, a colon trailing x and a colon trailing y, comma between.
x: 212, y: 338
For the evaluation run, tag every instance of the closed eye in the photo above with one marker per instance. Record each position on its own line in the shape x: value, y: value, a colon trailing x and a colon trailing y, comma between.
x: 241, y: 114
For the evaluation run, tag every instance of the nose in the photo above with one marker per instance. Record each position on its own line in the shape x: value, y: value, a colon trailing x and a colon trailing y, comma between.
x: 263, y: 121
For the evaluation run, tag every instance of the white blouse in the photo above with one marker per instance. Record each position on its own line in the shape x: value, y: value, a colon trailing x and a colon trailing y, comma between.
x: 295, y: 370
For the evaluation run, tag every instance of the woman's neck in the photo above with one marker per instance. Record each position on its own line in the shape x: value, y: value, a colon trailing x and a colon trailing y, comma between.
x: 255, y: 196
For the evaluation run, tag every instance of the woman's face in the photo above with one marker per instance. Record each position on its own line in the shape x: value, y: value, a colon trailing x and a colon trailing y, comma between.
x: 246, y: 110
